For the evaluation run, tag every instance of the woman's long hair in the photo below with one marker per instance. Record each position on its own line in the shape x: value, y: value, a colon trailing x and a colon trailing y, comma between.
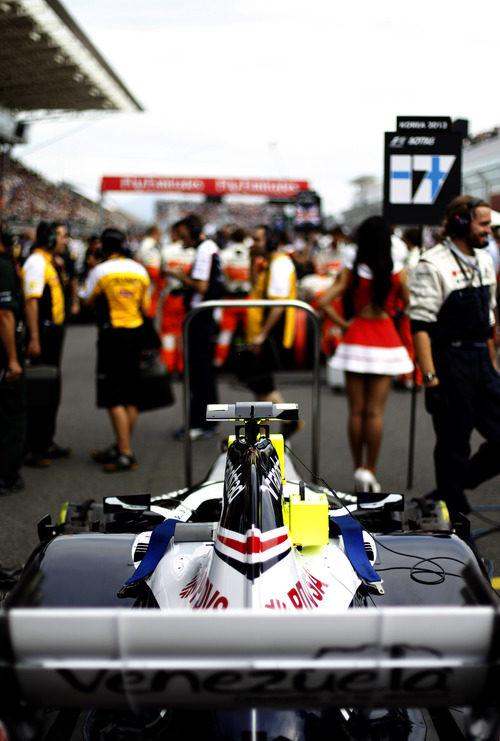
x: 374, y: 250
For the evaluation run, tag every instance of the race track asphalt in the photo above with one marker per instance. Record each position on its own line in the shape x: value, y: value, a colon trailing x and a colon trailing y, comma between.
x: 160, y: 457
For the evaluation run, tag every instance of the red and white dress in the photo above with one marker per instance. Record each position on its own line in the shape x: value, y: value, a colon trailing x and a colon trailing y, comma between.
x: 372, y: 345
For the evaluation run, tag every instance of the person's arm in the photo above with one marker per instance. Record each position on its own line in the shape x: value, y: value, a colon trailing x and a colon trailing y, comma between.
x: 272, y: 318
x: 8, y: 340
x: 90, y: 289
x: 75, y: 301
x: 335, y: 291
x: 423, y: 354
x: 34, y: 349
x: 493, y: 353
x: 199, y: 286
x: 404, y: 292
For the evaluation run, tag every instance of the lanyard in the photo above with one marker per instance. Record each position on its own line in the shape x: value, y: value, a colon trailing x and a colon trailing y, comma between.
x: 462, y: 260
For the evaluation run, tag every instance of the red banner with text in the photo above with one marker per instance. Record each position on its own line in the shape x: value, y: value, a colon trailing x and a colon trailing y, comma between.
x: 205, y: 186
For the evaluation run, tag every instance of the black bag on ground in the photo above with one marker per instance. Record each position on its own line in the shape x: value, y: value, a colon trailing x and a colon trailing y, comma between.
x: 155, y: 390
x: 43, y: 385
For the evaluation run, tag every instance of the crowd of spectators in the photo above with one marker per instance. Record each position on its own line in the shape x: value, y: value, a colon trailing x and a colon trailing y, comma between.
x: 27, y: 197
x: 482, y: 137
x: 245, y: 214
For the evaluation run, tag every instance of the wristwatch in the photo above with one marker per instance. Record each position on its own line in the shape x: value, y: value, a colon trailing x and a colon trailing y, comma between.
x: 428, y: 377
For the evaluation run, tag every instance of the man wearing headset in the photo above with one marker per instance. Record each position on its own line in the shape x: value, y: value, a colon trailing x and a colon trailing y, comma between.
x: 270, y: 333
x: 452, y: 312
x: 45, y: 317
x: 203, y: 283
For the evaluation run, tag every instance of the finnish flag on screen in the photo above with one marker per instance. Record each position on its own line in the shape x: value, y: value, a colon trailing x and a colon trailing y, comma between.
x: 418, y: 178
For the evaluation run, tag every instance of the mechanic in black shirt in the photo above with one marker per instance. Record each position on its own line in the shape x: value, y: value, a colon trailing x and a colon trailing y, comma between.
x: 12, y: 383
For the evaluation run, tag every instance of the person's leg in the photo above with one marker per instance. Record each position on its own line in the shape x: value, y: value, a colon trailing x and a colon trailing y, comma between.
x: 12, y: 430
x: 355, y: 389
x: 452, y: 419
x: 121, y: 424
x: 485, y: 463
x: 52, y: 346
x: 376, y: 392
x: 202, y: 375
x: 132, y: 414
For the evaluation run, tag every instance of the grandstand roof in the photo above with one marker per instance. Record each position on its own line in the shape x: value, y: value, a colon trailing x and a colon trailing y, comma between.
x: 47, y: 63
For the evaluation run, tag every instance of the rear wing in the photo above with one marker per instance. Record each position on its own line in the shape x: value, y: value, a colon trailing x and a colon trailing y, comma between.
x: 404, y: 657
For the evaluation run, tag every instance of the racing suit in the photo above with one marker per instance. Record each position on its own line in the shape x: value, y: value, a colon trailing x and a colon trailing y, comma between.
x: 453, y: 298
x: 149, y: 255
x: 235, y: 264
x: 173, y: 309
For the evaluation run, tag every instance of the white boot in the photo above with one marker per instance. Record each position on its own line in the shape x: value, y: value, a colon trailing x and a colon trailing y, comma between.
x: 364, y: 480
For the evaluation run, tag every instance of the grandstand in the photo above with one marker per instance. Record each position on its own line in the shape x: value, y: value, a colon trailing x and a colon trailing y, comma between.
x: 28, y: 198
x: 245, y: 215
x: 49, y: 68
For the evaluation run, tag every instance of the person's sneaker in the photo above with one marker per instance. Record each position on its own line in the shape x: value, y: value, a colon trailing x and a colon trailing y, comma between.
x: 122, y: 462
x: 11, y: 486
x: 195, y: 433
x: 56, y: 451
x: 107, y: 455
x: 36, y: 460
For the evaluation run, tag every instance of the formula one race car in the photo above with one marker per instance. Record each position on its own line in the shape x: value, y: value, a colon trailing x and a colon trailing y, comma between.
x: 271, y: 609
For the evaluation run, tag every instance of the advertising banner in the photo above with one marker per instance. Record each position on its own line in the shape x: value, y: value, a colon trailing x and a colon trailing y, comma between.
x: 206, y: 186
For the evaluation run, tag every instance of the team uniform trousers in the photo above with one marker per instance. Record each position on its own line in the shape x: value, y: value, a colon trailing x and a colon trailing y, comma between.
x: 118, y: 366
x: 203, y: 382
x: 467, y: 398
x: 41, y: 418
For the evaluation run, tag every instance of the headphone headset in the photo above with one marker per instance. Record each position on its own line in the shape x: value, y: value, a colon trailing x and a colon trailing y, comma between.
x: 46, y: 235
x: 112, y: 240
x: 272, y: 238
x: 459, y: 224
x: 7, y: 236
x: 193, y: 225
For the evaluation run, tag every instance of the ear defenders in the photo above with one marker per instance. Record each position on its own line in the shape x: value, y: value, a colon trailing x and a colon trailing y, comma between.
x: 459, y: 223
x: 7, y: 236
x: 194, y: 226
x: 272, y: 241
x: 112, y: 240
x: 46, y: 235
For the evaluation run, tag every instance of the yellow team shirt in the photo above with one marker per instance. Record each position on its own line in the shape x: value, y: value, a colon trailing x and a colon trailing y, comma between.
x: 125, y: 285
x: 276, y: 281
x: 38, y: 275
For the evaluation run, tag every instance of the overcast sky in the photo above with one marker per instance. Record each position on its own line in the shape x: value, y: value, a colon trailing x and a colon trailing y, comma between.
x: 271, y: 88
